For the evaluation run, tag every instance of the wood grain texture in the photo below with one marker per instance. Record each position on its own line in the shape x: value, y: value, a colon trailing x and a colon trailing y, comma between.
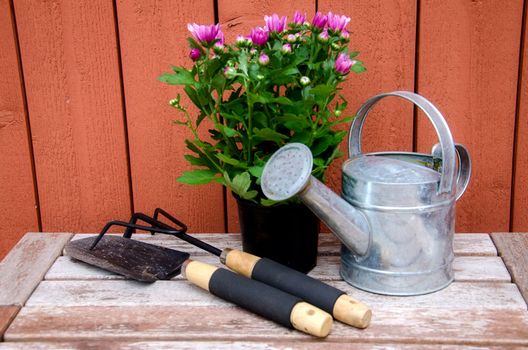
x: 394, y: 325
x: 384, y: 33
x: 474, y: 244
x: 73, y: 90
x: 512, y: 247
x: 459, y: 295
x: 467, y: 269
x: 7, y: 314
x: 27, y: 263
x: 468, y: 59
x: 520, y: 184
x: 239, y: 20
x: 234, y: 345
x: 153, y: 37
x: 18, y: 212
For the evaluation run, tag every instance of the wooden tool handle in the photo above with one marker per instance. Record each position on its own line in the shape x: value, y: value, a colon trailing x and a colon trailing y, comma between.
x: 332, y: 300
x: 259, y: 298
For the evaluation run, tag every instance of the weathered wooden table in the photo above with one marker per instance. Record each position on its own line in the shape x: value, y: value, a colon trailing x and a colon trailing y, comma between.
x: 49, y: 301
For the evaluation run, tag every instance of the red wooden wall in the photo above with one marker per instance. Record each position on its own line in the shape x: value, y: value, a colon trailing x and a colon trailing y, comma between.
x: 86, y: 134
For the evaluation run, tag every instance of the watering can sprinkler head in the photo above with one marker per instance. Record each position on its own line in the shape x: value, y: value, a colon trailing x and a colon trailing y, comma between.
x: 288, y: 173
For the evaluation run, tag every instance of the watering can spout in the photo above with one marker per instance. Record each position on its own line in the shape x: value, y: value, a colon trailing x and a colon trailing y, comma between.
x: 346, y: 222
x: 287, y: 174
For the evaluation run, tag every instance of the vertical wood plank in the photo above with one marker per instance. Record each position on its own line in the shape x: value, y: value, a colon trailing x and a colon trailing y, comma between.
x: 17, y: 200
x: 71, y: 70
x: 468, y: 67
x: 152, y: 38
x: 384, y: 33
x: 520, y: 189
x: 239, y: 20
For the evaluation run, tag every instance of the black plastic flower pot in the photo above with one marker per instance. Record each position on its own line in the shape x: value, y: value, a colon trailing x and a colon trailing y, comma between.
x: 286, y: 233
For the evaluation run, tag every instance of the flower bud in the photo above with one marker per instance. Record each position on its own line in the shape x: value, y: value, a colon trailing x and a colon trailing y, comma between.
x: 229, y: 72
x: 291, y: 38
x: 263, y: 59
x: 195, y: 54
x: 335, y: 46
x: 218, y: 48
x: 286, y: 49
x: 260, y: 77
x: 241, y: 41
x: 323, y: 36
x: 304, y: 80
x: 338, y: 112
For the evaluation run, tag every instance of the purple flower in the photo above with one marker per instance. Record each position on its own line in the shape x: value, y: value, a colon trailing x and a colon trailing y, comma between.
x: 206, y: 34
x: 259, y: 36
x: 343, y: 63
x: 274, y: 23
x: 337, y: 23
x: 319, y: 20
x: 298, y: 18
x: 323, y: 36
x: 263, y: 59
x: 345, y: 35
x: 195, y: 54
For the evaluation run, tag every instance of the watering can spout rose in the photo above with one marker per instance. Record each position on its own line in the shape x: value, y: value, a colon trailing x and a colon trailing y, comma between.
x: 396, y: 214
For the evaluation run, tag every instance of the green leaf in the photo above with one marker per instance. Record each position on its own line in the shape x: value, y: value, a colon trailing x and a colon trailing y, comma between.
x: 321, y: 144
x: 322, y: 90
x: 267, y: 134
x: 256, y: 171
x: 240, y: 185
x: 229, y: 132
x: 219, y: 82
x: 227, y: 159
x: 197, y: 177
x: 200, y: 118
x: 268, y: 202
x: 181, y: 76
x: 294, y: 122
x: 201, y: 154
x: 243, y: 62
x: 358, y: 68
x: 191, y: 92
x: 195, y: 160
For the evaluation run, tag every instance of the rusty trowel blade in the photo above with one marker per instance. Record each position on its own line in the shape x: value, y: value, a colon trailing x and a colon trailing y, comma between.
x: 130, y: 258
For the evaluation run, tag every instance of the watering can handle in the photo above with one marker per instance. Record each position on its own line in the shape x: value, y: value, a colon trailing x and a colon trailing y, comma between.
x: 464, y: 166
x: 442, y: 130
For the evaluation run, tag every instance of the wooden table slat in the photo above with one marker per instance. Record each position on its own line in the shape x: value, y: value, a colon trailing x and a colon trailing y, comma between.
x: 234, y: 345
x: 464, y: 244
x: 467, y: 269
x: 390, y: 325
x: 513, y: 248
x: 466, y: 296
x: 7, y: 314
x: 27, y: 263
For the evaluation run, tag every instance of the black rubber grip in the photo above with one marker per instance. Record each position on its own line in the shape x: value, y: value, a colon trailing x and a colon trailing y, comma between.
x: 254, y: 296
x: 296, y: 283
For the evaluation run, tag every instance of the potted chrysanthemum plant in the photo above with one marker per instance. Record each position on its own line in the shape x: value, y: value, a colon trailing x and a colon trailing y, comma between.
x: 277, y: 85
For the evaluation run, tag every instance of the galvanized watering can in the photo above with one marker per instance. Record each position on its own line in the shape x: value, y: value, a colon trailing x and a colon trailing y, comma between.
x: 397, y: 218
